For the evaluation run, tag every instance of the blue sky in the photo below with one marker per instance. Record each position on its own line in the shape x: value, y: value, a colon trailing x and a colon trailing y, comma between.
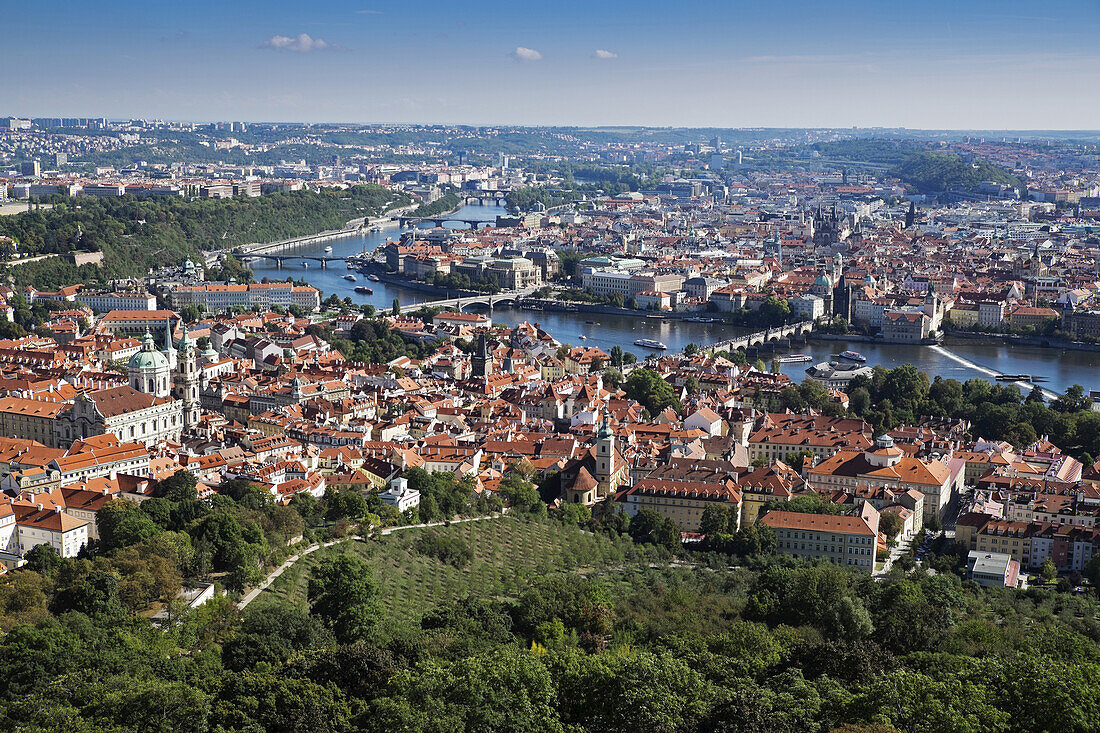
x: 959, y: 64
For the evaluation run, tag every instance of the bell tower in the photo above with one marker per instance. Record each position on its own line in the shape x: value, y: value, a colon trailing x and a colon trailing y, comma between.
x: 186, y: 388
x: 605, y: 452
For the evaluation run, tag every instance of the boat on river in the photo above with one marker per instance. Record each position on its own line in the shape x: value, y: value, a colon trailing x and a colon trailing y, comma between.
x: 650, y: 344
x: 794, y: 359
x: 853, y: 356
x: 372, y: 277
x: 363, y: 290
x: 328, y: 249
x: 350, y: 278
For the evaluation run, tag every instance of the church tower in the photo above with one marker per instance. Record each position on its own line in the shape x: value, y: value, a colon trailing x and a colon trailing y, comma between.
x: 187, y: 380
x: 605, y: 454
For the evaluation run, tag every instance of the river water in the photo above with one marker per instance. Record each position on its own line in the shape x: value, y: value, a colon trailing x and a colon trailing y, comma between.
x: 1061, y: 368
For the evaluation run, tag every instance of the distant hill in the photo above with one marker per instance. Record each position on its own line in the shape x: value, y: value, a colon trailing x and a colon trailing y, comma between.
x: 885, y: 152
x: 929, y: 172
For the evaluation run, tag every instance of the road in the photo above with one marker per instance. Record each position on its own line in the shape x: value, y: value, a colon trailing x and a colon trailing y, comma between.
x: 255, y: 592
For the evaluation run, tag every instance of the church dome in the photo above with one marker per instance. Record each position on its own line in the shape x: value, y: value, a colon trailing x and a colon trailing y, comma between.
x: 822, y: 281
x: 148, y: 358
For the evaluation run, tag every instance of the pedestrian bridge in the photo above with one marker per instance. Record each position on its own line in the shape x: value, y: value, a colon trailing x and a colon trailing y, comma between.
x: 763, y: 338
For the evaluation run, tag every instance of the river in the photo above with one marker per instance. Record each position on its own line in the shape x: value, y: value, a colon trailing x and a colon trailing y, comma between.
x: 1061, y: 368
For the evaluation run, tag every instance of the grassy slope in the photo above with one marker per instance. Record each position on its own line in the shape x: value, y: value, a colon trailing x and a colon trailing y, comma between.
x: 508, y: 554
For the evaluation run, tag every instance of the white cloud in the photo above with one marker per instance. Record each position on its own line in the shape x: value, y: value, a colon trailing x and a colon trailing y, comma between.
x: 602, y: 54
x: 522, y: 53
x: 302, y: 43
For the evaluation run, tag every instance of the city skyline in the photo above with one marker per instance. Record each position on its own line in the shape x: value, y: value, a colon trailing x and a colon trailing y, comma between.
x: 795, y: 64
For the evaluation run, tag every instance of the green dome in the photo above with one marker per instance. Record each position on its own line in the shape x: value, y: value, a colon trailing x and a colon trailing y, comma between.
x: 148, y: 358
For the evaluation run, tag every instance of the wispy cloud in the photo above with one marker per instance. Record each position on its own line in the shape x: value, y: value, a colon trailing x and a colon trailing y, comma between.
x: 602, y: 54
x: 522, y: 53
x: 302, y: 43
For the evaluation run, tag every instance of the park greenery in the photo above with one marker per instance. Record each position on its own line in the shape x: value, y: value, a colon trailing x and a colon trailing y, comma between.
x: 651, y: 390
x: 882, y: 152
x: 903, y: 395
x: 135, y: 234
x: 525, y: 198
x: 444, y: 204
x: 525, y: 624
x: 933, y: 172
x: 372, y: 341
x: 772, y: 312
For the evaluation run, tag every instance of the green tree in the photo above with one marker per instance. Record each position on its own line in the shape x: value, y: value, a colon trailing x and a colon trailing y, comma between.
x: 1048, y: 572
x: 521, y: 495
x: 342, y: 592
x: 622, y: 691
x: 121, y: 523
x: 508, y: 690
x: 43, y: 559
x: 180, y: 486
x: 715, y: 520
x: 890, y: 524
x: 647, y: 526
x: 654, y: 393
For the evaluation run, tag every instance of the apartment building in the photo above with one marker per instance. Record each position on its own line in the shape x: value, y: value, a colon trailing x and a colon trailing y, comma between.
x: 681, y: 501
x: 847, y: 539
x: 220, y: 297
x: 782, y: 435
x: 98, y: 300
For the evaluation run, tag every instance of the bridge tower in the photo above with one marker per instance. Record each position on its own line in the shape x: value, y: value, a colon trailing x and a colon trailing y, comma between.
x: 479, y: 363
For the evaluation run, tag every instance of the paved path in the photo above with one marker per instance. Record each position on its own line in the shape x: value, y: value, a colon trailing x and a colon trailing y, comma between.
x: 391, y: 530
x: 255, y: 592
x: 252, y: 594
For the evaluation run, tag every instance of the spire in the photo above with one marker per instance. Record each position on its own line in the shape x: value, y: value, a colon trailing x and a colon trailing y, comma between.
x: 605, y: 432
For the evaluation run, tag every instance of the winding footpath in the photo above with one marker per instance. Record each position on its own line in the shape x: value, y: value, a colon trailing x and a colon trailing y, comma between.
x: 255, y: 592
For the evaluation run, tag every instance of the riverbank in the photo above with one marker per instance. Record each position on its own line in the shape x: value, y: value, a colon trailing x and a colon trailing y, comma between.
x: 1044, y: 342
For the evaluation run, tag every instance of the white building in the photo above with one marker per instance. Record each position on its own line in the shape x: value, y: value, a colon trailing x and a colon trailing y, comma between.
x: 400, y: 496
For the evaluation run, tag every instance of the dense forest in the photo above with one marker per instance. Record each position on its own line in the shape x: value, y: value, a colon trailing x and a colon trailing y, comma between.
x: 135, y: 234
x: 629, y: 642
x: 931, y: 172
x: 886, y: 152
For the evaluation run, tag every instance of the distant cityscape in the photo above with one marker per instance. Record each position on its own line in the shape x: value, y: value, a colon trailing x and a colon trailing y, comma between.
x: 701, y: 351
